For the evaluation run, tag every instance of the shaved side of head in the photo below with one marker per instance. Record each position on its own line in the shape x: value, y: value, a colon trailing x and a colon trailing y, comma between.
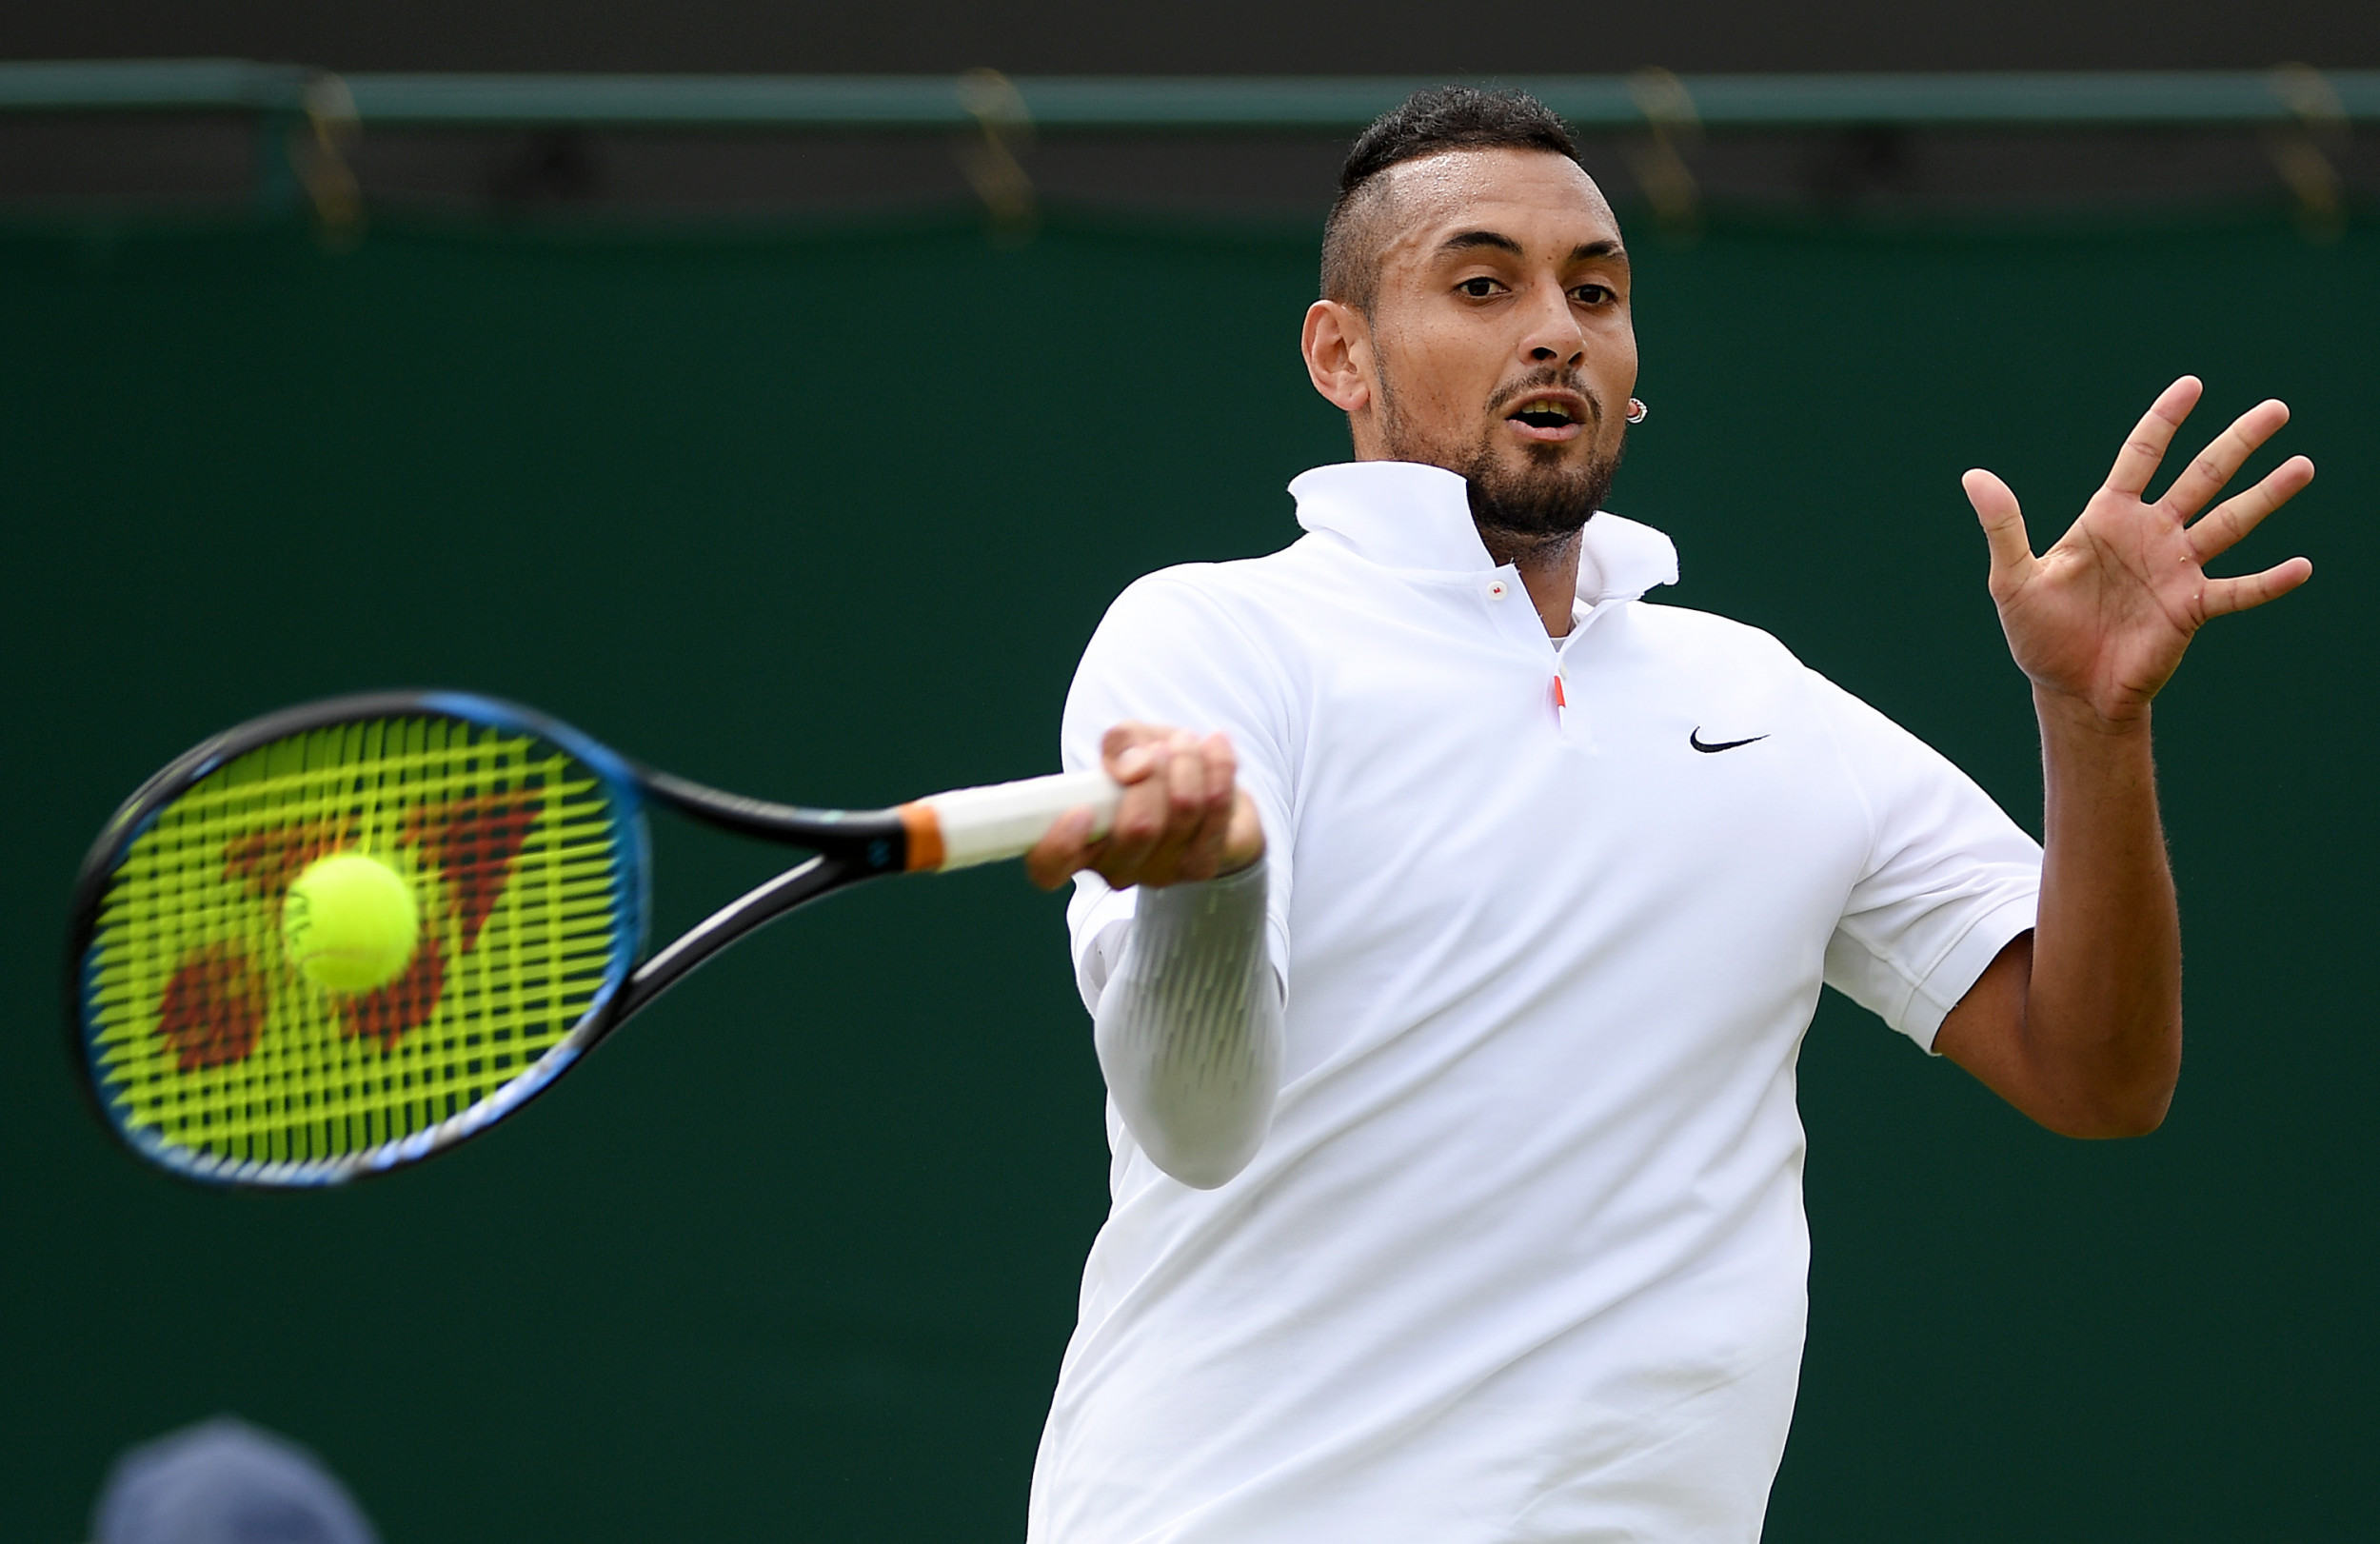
x: 1359, y: 227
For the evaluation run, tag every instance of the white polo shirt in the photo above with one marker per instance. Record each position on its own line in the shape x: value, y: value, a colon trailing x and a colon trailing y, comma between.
x: 1523, y: 1257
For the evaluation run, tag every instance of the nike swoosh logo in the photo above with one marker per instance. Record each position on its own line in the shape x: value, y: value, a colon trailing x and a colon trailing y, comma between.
x: 1694, y: 738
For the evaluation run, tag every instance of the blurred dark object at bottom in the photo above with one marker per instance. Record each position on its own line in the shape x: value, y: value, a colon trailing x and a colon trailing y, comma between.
x: 226, y: 1482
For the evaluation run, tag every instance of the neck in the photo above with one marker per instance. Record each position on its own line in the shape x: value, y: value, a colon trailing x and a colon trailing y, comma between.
x: 1549, y: 566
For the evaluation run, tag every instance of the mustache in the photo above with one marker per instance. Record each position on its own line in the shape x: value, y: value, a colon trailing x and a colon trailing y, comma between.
x: 1546, y: 380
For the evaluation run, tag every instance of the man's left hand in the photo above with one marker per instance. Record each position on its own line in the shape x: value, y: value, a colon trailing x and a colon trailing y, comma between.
x: 2100, y: 621
x: 2079, y: 1025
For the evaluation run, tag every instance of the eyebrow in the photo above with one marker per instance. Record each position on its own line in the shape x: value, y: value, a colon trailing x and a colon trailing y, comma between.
x: 1465, y: 241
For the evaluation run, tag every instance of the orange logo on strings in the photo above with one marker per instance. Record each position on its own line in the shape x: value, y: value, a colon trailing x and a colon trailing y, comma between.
x: 216, y: 1003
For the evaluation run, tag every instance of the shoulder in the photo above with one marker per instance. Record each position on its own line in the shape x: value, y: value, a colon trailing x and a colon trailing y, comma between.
x: 1234, y: 583
x: 1230, y: 625
x: 1703, y: 638
x: 1245, y: 599
x: 1194, y: 646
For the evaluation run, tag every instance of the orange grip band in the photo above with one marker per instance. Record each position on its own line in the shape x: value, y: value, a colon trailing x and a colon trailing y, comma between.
x: 926, y: 836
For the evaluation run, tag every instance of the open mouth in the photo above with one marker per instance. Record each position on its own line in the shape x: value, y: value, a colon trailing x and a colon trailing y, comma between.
x: 1542, y: 414
x: 1549, y: 416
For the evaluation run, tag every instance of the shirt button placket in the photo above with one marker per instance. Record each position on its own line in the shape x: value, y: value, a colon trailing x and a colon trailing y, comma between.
x: 1498, y: 589
x: 1570, y: 714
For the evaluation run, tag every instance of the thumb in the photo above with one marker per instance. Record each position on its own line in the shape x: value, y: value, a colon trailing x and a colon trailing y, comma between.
x: 2003, y: 525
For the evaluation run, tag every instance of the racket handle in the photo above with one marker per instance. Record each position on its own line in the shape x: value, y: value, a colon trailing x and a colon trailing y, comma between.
x: 967, y: 826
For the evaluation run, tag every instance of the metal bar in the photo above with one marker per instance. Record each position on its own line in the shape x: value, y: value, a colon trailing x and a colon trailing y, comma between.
x: 152, y: 86
x: 1190, y: 104
x: 784, y: 102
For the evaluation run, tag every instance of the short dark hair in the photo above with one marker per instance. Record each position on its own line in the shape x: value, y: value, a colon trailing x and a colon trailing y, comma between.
x: 1426, y: 123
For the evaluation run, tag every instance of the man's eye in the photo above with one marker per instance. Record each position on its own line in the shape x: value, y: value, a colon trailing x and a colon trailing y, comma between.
x: 1478, y: 288
x: 1591, y: 294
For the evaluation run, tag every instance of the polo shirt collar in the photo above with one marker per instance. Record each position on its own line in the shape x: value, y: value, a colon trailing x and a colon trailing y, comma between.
x: 1402, y: 514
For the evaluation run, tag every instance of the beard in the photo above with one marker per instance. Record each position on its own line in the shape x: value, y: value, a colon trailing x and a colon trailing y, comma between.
x: 1547, y: 497
x: 1542, y: 500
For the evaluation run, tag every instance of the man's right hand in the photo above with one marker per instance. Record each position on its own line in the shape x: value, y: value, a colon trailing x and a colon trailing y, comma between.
x: 1183, y: 817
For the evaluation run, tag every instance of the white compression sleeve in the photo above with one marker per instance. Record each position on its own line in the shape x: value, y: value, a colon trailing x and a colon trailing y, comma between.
x: 1189, y: 1027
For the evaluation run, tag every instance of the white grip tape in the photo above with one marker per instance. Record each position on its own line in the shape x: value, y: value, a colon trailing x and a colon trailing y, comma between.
x: 1004, y: 819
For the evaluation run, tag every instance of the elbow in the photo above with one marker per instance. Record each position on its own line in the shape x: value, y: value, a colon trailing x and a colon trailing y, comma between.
x: 1201, y: 1124
x: 1200, y: 1130
x: 2142, y: 1115
x: 1206, y: 1154
x: 1203, y: 1171
x: 2113, y: 1113
x: 2107, y: 1128
x: 2121, y: 1088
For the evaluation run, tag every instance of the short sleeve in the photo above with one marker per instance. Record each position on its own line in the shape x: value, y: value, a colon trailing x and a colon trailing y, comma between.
x: 1950, y: 879
x: 1169, y: 651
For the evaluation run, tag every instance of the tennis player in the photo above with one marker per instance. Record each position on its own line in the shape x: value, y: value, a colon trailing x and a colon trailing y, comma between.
x: 1451, y: 950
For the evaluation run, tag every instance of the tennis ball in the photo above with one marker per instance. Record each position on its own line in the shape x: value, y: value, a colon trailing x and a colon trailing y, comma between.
x: 350, y: 922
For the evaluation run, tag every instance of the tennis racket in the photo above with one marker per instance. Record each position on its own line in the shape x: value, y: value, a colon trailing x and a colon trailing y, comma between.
x: 523, y: 845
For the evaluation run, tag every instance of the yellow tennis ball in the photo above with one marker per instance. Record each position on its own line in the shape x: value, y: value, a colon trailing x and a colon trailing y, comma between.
x: 350, y: 922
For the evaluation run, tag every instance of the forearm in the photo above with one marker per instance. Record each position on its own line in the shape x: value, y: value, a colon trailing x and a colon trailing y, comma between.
x: 2102, y: 1025
x: 1189, y: 1029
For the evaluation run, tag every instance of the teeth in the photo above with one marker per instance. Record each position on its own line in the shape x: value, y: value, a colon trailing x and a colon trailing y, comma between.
x: 1554, y: 408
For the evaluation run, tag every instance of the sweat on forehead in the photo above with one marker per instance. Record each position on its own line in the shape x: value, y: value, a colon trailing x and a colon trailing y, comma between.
x: 1401, y: 202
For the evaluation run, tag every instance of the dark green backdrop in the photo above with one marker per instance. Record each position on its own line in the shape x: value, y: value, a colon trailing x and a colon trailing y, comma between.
x: 828, y: 514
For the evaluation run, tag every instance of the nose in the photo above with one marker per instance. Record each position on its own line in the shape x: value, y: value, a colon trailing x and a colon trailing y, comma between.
x: 1553, y: 334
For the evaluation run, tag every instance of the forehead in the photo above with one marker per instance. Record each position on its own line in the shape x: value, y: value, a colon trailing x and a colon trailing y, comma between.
x: 1542, y: 200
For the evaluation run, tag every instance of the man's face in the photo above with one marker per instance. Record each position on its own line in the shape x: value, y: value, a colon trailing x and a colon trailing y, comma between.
x: 1499, y: 343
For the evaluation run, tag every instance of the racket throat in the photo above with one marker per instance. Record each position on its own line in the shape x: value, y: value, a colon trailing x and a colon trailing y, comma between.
x: 873, y: 841
x: 747, y: 914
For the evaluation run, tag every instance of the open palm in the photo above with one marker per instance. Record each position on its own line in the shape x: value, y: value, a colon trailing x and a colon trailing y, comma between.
x: 2103, y: 615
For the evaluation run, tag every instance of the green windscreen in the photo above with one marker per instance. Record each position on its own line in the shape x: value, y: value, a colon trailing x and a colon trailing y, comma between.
x: 802, y: 1257
x: 207, y: 1041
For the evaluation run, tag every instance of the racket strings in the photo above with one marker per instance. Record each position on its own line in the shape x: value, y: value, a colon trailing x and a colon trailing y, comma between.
x: 206, y: 1039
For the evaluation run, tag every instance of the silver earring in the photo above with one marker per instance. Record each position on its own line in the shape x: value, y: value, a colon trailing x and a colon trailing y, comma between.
x: 1636, y: 411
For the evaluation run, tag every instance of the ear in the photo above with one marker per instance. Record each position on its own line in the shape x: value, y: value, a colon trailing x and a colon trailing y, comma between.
x: 1338, y: 346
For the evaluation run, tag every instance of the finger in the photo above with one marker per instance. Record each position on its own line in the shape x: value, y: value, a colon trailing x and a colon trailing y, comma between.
x: 2221, y: 461
x: 1065, y: 848
x: 1201, y: 858
x: 2003, y: 527
x: 1246, y: 843
x: 2137, y: 462
x: 1203, y: 855
x: 1125, y: 750
x: 1186, y: 807
x: 2236, y: 516
x: 1223, y: 769
x: 1140, y: 823
x: 2224, y: 596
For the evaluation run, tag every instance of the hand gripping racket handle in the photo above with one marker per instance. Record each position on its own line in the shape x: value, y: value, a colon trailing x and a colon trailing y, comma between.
x: 968, y: 826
